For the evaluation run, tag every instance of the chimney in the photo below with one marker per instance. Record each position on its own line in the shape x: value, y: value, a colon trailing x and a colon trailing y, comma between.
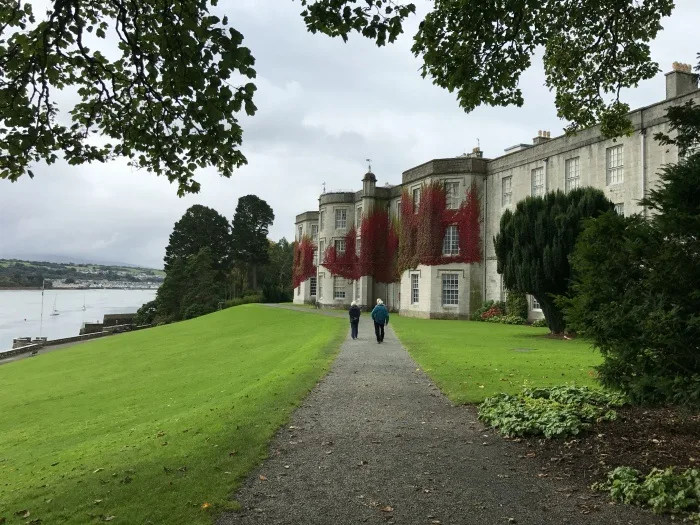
x: 542, y: 137
x: 476, y: 153
x: 680, y: 81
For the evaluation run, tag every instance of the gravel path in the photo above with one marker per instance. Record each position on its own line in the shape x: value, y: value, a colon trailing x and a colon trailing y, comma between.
x: 376, y: 442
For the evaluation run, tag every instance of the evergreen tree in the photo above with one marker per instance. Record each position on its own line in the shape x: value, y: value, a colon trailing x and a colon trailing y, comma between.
x: 202, y: 289
x: 201, y: 227
x: 534, y: 243
x: 637, y: 287
x: 249, y: 234
x: 170, y: 293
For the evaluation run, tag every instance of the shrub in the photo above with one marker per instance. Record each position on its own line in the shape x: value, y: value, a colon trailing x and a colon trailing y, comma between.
x: 494, y: 311
x: 664, y: 491
x: 243, y: 300
x: 476, y: 315
x: 539, y: 323
x: 147, y: 313
x: 507, y: 319
x: 516, y: 304
x: 551, y: 412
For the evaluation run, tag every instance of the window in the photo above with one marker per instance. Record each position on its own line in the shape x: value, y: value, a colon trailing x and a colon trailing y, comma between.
x: 535, y: 304
x: 321, y: 245
x: 341, y: 219
x: 357, y: 247
x: 340, y: 246
x: 358, y: 216
x: 450, y: 244
x: 414, y: 288
x: 338, y: 288
x: 693, y: 149
x: 450, y: 289
x: 315, y: 257
x: 320, y: 287
x: 320, y: 219
x: 507, y: 188
x: 416, y: 200
x: 314, y: 232
x: 615, y: 164
x: 620, y: 208
x: 398, y: 208
x: 298, y: 290
x: 452, y: 194
x: 313, y: 286
x: 300, y: 230
x: 537, y: 182
x: 573, y: 174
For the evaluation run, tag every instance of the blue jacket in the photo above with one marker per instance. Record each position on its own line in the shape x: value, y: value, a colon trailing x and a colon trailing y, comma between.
x: 380, y: 314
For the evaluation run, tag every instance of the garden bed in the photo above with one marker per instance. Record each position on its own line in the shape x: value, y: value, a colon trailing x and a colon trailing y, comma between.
x: 641, y: 438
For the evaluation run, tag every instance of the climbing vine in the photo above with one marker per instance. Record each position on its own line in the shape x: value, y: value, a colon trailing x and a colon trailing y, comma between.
x: 344, y: 264
x: 389, y: 247
x: 303, y: 265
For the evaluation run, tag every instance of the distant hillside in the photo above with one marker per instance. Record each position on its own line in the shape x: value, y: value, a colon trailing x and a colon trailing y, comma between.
x: 31, y: 274
x: 65, y: 259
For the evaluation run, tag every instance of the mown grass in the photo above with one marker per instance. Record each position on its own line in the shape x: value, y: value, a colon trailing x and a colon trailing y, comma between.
x: 148, y: 427
x: 472, y: 360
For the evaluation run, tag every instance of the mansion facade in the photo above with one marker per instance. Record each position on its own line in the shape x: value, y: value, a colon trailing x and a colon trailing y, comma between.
x: 625, y: 169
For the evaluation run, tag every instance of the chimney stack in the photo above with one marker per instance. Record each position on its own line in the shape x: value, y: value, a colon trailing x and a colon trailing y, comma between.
x: 680, y: 81
x: 476, y: 153
x: 542, y: 137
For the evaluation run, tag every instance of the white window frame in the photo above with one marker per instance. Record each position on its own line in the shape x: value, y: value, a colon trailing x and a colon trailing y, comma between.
x: 314, y: 232
x: 416, y: 199
x: 615, y: 164
x: 450, y: 243
x: 537, y: 182
x: 620, y: 209
x: 358, y: 216
x: 341, y: 218
x: 572, y: 177
x: 450, y: 289
x: 357, y: 246
x: 339, y: 246
x: 452, y: 200
x: 534, y: 305
x: 338, y: 287
x: 319, y: 290
x: 506, y: 190
x: 315, y: 257
x: 321, y: 245
x: 398, y: 208
x: 312, y: 286
x: 301, y: 230
x: 415, y: 290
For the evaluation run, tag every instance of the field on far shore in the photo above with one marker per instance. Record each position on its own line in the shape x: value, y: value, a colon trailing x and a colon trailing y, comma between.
x: 156, y: 426
x: 472, y: 360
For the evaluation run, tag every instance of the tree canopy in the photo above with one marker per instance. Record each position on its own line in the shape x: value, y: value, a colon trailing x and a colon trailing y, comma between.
x: 169, y: 98
x: 200, y: 227
x: 249, y: 231
x: 534, y: 243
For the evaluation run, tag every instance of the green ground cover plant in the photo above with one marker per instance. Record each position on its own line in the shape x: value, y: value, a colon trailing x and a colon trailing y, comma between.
x: 551, y: 412
x: 666, y: 491
x: 155, y: 426
x: 471, y: 361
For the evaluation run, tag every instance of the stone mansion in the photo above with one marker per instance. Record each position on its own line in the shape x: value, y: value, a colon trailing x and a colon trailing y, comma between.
x: 625, y: 169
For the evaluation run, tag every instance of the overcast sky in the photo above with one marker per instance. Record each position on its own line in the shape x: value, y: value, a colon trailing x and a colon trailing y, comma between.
x: 324, y: 107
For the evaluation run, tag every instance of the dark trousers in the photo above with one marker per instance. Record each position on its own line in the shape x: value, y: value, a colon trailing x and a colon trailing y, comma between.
x: 353, y: 329
x: 379, y: 331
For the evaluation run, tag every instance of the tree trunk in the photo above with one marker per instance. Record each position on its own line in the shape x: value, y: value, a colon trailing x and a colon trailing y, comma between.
x: 554, y: 316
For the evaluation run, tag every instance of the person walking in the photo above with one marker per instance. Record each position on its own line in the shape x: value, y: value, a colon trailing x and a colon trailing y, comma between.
x: 380, y: 316
x: 354, y: 319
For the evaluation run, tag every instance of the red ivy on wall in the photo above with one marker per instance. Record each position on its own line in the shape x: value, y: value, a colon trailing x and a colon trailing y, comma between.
x: 379, y: 243
x: 344, y: 264
x: 303, y: 266
x: 388, y: 248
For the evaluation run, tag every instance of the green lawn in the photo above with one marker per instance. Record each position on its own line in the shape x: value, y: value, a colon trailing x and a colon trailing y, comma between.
x: 149, y: 426
x: 471, y: 360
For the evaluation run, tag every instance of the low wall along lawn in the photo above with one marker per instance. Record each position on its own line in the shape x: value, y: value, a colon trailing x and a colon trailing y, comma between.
x: 471, y: 360
x: 159, y: 425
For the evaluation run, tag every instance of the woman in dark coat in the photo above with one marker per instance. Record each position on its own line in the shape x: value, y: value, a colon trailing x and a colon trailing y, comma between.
x: 354, y: 319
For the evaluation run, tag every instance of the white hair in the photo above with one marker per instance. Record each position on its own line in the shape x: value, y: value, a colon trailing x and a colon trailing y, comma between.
x: 379, y: 301
x: 353, y: 303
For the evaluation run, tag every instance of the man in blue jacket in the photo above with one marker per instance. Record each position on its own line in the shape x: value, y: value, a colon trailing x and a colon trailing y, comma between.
x: 380, y: 316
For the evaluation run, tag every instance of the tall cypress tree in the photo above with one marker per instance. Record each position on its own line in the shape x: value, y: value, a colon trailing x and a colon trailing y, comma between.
x: 249, y: 234
x: 534, y: 244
